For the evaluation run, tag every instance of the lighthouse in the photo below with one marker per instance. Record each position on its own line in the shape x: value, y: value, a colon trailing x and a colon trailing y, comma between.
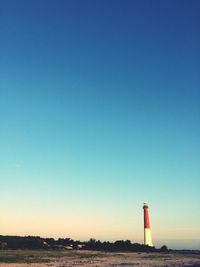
x: 147, y: 230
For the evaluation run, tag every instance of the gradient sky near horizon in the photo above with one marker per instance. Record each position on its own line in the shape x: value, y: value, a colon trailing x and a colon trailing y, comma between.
x: 99, y: 112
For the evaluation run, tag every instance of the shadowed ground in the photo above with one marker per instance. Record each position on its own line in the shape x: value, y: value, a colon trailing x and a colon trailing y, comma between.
x: 24, y: 258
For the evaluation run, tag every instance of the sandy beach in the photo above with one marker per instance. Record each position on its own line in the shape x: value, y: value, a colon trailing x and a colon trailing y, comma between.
x: 101, y: 259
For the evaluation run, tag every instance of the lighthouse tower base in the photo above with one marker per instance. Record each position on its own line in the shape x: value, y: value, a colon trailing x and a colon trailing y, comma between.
x: 147, y: 237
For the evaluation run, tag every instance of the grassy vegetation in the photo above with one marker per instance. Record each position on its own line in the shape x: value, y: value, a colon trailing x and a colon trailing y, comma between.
x: 40, y: 256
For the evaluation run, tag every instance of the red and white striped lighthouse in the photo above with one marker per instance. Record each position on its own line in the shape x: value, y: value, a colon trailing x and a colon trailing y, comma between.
x: 147, y: 230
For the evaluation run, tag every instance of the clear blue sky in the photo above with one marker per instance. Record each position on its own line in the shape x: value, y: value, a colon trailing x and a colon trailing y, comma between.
x: 99, y: 111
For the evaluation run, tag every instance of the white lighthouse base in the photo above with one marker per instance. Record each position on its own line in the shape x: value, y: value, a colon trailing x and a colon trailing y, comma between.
x: 147, y: 237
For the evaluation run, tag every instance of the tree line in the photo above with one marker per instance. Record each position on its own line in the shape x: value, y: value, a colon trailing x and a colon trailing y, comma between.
x: 36, y: 242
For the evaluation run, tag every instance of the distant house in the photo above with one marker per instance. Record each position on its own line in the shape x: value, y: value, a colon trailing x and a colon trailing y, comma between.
x: 69, y: 247
x: 45, y: 244
x: 80, y: 246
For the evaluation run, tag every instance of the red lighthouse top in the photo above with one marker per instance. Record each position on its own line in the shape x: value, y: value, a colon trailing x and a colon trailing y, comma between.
x: 146, y: 216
